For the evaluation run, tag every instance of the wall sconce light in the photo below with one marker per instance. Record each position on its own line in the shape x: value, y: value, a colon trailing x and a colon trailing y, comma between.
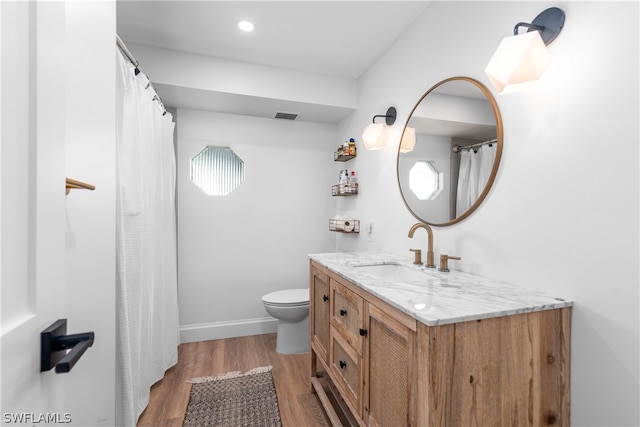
x: 374, y: 136
x: 521, y: 59
x: 408, y: 140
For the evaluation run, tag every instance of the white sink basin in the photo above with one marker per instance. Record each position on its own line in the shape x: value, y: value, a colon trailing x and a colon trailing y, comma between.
x: 395, y: 272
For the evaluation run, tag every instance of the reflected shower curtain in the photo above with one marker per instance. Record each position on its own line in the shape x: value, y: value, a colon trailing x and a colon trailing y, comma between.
x: 475, y: 170
x: 462, y: 196
x: 146, y: 284
x: 486, y: 165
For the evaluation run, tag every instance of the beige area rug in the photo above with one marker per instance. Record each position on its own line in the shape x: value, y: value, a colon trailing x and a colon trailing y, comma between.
x: 234, y: 399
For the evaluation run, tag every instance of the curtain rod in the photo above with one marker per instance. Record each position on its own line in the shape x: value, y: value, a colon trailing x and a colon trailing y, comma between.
x: 459, y: 148
x: 125, y: 50
x: 134, y: 61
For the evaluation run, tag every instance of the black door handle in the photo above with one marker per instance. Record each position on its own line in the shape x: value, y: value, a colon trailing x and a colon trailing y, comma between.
x: 54, y: 344
x: 343, y: 312
x: 343, y: 364
x: 325, y: 298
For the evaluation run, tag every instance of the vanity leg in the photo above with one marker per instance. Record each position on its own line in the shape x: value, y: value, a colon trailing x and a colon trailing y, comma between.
x: 313, y: 371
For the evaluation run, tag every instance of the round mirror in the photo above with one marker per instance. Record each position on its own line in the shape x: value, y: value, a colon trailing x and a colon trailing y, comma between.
x: 450, y: 151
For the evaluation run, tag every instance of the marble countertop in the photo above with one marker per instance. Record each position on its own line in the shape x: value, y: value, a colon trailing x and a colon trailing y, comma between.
x: 438, y: 298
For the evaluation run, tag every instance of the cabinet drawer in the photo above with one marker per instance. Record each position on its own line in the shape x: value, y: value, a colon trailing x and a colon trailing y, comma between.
x: 347, y: 314
x: 346, y: 369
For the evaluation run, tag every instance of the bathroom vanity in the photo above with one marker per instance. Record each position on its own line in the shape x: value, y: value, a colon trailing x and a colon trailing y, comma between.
x: 396, y: 344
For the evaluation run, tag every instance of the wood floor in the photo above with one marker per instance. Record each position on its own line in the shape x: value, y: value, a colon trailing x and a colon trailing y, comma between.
x: 169, y: 397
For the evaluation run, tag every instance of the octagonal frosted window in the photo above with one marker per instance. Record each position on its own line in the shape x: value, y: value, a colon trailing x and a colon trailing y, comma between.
x: 217, y: 170
x: 425, y: 181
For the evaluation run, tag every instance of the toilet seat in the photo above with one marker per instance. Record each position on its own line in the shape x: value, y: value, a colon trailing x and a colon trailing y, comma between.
x: 287, y: 298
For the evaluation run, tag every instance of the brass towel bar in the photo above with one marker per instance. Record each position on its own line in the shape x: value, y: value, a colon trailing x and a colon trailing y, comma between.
x: 72, y: 184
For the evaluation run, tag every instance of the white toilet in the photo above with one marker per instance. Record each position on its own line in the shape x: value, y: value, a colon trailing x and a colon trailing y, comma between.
x: 291, y: 308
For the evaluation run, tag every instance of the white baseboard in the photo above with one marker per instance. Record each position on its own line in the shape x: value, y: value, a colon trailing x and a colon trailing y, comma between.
x: 230, y: 329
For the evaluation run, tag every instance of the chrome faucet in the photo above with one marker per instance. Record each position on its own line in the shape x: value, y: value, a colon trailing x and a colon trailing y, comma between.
x: 430, y: 261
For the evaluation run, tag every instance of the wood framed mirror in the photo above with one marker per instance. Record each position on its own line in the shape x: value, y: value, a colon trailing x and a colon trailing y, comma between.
x: 450, y: 151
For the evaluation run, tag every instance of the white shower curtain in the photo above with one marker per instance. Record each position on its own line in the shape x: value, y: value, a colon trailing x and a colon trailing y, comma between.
x: 146, y: 283
x: 475, y: 170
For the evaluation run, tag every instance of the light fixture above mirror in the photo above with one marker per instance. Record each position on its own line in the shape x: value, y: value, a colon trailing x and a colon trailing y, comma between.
x: 521, y: 59
x: 374, y: 136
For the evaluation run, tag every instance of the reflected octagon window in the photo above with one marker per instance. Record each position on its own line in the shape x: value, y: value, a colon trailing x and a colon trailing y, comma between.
x: 425, y: 181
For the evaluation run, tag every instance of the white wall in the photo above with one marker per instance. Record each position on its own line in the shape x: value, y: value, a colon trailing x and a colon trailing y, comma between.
x: 90, y: 228
x: 563, y: 214
x: 234, y: 249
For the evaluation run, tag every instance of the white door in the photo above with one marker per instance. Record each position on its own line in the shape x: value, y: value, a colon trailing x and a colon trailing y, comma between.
x: 32, y: 207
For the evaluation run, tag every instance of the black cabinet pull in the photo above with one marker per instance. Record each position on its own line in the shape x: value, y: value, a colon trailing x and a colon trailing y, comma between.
x: 363, y: 332
x: 325, y: 298
x: 343, y: 364
x: 343, y: 312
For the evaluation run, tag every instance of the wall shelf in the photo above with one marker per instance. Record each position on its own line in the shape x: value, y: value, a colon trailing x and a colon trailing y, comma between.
x: 344, y: 189
x: 341, y: 158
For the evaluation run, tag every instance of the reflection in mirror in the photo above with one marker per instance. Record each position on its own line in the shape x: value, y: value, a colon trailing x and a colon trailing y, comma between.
x: 217, y: 170
x: 457, y: 131
x: 425, y: 181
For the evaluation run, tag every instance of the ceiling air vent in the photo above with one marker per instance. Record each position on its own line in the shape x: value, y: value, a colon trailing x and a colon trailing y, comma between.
x: 285, y: 115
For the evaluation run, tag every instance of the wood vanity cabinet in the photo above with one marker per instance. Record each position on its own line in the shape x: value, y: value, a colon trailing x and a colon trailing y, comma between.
x: 370, y: 352
x: 391, y: 370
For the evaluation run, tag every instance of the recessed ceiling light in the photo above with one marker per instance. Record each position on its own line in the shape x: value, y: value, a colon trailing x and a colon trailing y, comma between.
x: 246, y: 26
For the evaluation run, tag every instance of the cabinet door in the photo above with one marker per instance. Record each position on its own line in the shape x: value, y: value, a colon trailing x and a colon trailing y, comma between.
x: 388, y: 367
x: 347, y: 314
x: 320, y: 313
